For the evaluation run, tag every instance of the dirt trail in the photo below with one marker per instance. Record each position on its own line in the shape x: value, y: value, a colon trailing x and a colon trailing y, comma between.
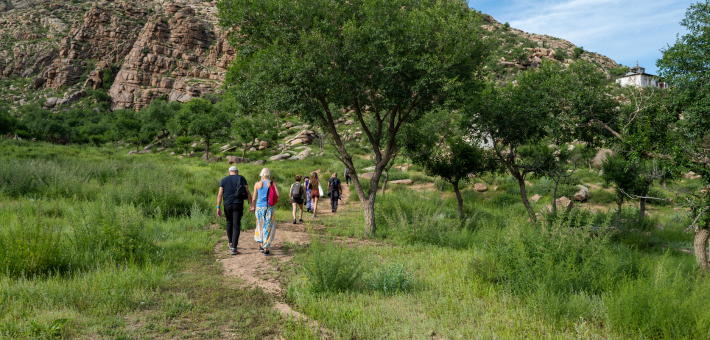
x: 262, y: 271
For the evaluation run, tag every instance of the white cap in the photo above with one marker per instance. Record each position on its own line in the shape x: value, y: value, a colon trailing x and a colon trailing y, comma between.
x: 233, y: 169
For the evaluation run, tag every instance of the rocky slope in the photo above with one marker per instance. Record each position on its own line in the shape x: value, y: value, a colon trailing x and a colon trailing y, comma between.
x: 145, y: 48
x: 139, y: 50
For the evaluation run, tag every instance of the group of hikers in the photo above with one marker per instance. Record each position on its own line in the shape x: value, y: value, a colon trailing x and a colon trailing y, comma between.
x: 234, y: 190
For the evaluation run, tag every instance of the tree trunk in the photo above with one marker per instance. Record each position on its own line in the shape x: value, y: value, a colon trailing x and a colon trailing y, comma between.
x: 642, y: 209
x: 384, y: 185
x: 523, y: 193
x: 368, y: 199
x: 554, y: 195
x: 244, y: 152
x: 138, y: 143
x: 701, y: 241
x: 369, y: 208
x: 207, y: 148
x: 459, y: 199
x: 618, y: 212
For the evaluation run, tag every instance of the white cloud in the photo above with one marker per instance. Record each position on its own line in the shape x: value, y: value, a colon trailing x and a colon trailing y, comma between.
x: 625, y: 31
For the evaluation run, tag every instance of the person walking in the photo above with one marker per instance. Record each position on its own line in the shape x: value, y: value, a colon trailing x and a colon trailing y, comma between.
x: 296, y: 195
x: 234, y: 190
x: 265, y: 222
x: 348, y: 180
x: 309, y: 200
x: 315, y: 192
x: 334, y: 190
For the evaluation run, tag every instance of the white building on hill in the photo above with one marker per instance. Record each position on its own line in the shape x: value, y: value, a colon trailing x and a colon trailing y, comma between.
x: 638, y: 77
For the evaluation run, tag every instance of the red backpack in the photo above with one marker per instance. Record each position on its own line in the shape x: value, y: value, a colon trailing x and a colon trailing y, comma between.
x: 271, y: 197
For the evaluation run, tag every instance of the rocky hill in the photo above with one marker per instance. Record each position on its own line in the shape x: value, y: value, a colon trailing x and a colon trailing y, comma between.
x: 137, y: 51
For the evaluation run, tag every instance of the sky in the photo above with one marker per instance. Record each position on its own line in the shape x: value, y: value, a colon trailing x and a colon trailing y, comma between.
x: 623, y: 30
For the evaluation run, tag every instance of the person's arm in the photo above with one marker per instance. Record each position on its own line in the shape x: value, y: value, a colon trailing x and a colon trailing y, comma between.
x: 289, y: 192
x: 276, y: 187
x: 254, y: 198
x: 219, y: 201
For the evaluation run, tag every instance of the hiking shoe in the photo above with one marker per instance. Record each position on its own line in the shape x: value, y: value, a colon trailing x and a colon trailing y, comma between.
x: 231, y: 247
x: 300, y: 221
x: 294, y: 221
x: 266, y: 253
x: 261, y: 249
x: 235, y: 252
x: 314, y: 215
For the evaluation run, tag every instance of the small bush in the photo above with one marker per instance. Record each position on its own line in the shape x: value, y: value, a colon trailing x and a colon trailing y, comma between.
x: 443, y: 185
x: 391, y: 278
x: 602, y: 197
x: 330, y: 268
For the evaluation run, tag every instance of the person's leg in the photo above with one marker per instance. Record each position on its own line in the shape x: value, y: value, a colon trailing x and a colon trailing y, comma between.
x: 269, y: 224
x: 333, y: 203
x: 259, y: 214
x: 300, y: 216
x: 230, y: 223
x: 237, y: 213
x: 315, y: 205
x: 295, y: 209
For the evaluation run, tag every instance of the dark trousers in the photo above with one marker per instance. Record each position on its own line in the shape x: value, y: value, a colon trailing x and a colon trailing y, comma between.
x: 348, y: 180
x: 233, y: 213
x: 334, y: 202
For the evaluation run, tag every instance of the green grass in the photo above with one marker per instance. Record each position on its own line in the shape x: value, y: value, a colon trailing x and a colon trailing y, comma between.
x: 96, y: 244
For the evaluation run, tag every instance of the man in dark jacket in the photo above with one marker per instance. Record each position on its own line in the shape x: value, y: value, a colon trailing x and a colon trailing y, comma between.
x: 334, y: 190
x: 233, y: 188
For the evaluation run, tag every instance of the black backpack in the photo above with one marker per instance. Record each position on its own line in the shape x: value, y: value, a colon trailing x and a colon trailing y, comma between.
x: 241, y: 190
x: 296, y: 191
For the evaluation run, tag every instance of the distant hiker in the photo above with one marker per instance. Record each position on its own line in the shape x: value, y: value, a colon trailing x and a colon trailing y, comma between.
x: 234, y: 190
x: 309, y: 200
x: 296, y: 194
x: 348, y: 180
x: 315, y: 192
x: 264, y: 191
x: 334, y: 190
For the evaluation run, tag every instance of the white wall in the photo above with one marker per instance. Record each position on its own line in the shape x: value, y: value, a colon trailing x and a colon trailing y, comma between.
x: 638, y: 80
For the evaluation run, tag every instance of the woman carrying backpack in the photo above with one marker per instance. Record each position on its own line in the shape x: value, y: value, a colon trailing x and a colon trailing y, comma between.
x: 315, y: 192
x: 296, y: 196
x: 266, y: 194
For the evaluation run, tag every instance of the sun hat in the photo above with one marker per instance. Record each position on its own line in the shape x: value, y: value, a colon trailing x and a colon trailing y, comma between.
x: 233, y: 169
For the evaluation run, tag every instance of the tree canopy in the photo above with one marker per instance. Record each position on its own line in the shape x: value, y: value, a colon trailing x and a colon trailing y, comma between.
x: 390, y: 61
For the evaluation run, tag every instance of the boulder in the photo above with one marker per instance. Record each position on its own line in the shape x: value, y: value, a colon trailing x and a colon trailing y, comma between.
x: 480, y: 187
x: 228, y: 148
x: 144, y: 151
x: 535, y: 198
x: 367, y: 175
x: 582, y: 194
x: 206, y: 156
x: 402, y: 181
x: 214, y: 159
x: 303, y: 154
x: 150, y: 146
x: 564, y: 203
x: 601, y: 156
x: 280, y: 157
x: 350, y: 122
x: 691, y: 175
x: 51, y: 102
x: 259, y: 162
x: 172, y: 154
x: 133, y: 152
x: 369, y: 169
x: 236, y: 160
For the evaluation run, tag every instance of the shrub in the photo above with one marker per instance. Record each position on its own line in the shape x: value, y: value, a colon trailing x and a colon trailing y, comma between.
x: 602, y: 197
x: 443, y: 185
x: 391, y: 278
x: 578, y: 52
x: 331, y: 268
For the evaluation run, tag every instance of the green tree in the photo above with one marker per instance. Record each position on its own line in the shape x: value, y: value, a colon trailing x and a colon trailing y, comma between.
x: 155, y: 117
x: 577, y: 51
x: 129, y: 126
x: 389, y: 61
x: 250, y: 127
x: 205, y: 121
x: 684, y: 66
x: 8, y: 123
x: 107, y: 78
